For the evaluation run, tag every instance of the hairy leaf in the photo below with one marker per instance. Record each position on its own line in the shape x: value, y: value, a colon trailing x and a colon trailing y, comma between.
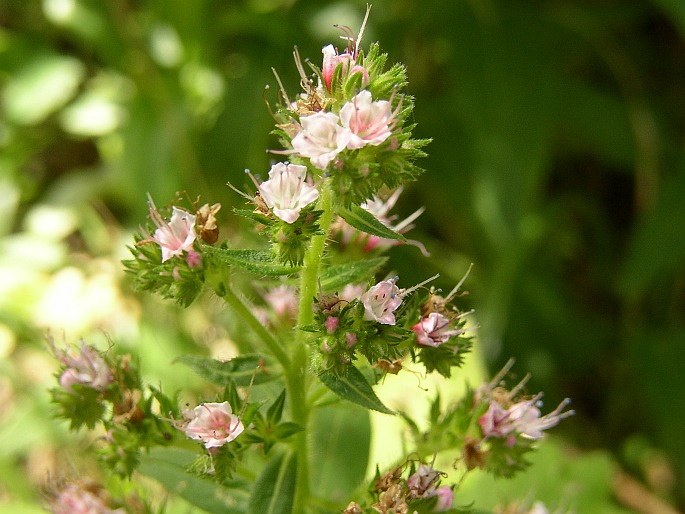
x: 354, y: 387
x: 239, y: 369
x: 366, y: 222
x: 335, y: 277
x: 256, y: 261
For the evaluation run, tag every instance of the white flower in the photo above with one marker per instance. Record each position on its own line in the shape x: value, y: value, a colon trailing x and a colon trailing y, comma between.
x: 434, y: 330
x: 380, y: 301
x: 321, y: 138
x: 369, y: 122
x: 213, y: 423
x: 176, y: 236
x: 527, y: 420
x: 287, y: 192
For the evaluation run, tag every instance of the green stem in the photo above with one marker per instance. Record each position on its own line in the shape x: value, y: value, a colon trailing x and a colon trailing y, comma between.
x: 297, y: 374
x: 248, y: 317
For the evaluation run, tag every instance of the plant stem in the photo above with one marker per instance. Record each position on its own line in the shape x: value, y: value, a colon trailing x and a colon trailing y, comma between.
x: 248, y: 317
x: 298, y: 374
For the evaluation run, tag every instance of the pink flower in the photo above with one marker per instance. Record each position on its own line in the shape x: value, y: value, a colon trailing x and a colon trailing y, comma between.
x: 526, y: 419
x: 331, y: 60
x: 380, y: 301
x: 369, y: 122
x: 434, y: 330
x: 283, y: 301
x: 213, y: 423
x: 77, y: 500
x: 423, y: 480
x: 496, y: 421
x: 287, y: 192
x: 321, y: 138
x: 176, y: 236
x: 87, y: 368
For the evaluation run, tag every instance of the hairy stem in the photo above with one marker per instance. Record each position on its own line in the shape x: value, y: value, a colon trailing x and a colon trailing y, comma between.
x: 298, y: 374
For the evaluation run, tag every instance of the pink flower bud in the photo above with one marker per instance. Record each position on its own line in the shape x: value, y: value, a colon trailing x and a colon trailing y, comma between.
x: 331, y: 324
x: 445, y: 498
x: 287, y: 192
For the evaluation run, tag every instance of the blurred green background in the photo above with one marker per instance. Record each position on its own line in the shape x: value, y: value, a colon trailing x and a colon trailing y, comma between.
x: 557, y: 166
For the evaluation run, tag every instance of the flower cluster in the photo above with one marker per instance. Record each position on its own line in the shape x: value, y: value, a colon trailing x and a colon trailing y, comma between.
x: 323, y: 135
x: 320, y: 313
x: 508, y: 423
x: 349, y: 123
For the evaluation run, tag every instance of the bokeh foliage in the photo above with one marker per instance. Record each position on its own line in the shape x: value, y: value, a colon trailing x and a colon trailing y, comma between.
x: 557, y: 166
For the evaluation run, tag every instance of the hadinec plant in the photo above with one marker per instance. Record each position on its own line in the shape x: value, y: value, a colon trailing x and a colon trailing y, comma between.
x: 326, y: 323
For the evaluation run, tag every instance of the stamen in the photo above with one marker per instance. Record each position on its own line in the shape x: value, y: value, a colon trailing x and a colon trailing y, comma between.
x: 454, y: 291
x: 414, y: 288
x: 282, y: 89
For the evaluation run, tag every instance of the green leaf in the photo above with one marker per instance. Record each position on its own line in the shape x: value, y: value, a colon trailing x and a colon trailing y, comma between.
x: 335, y: 277
x: 354, y: 387
x: 239, y: 369
x: 366, y: 222
x: 338, y: 474
x: 273, y: 415
x: 286, y: 429
x: 274, y: 490
x: 168, y: 467
x: 255, y: 261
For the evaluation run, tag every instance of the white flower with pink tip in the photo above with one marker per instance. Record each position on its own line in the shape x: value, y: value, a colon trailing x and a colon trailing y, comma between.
x: 380, y: 302
x: 213, y: 423
x: 287, y: 192
x: 321, y: 139
x: 369, y: 122
x: 176, y: 236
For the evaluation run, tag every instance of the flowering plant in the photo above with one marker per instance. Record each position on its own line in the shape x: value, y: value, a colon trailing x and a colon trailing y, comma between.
x: 330, y: 325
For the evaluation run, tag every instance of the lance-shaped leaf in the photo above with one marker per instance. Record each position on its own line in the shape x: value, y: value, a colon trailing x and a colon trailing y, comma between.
x: 257, y: 261
x: 274, y: 490
x: 334, y: 278
x: 239, y: 369
x: 354, y: 387
x: 366, y: 222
